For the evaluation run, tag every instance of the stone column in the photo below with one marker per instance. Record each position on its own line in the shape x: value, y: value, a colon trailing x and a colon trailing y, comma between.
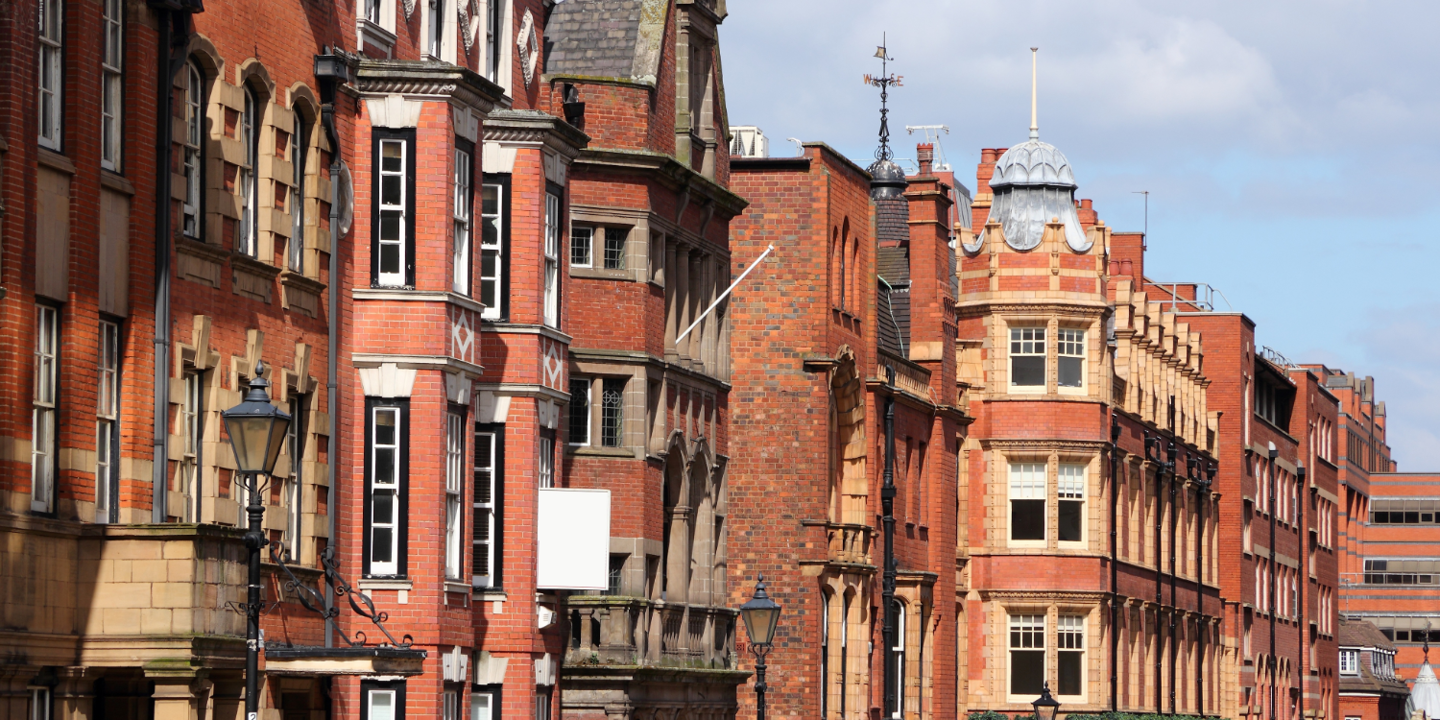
x: 175, y: 697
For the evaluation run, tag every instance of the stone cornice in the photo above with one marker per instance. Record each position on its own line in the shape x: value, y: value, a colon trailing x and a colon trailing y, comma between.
x: 427, y: 79
x: 535, y: 127
x: 986, y: 307
x: 1044, y: 443
x: 1038, y: 596
x: 669, y: 171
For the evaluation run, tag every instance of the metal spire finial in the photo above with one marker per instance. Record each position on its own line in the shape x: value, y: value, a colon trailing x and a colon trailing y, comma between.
x: 1034, y: 126
x: 884, y: 81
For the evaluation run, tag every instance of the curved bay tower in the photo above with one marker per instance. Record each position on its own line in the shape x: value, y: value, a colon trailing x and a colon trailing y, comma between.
x: 1085, y: 560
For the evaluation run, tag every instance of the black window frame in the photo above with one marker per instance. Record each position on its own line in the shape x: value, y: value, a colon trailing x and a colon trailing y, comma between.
x: 497, y: 503
x: 112, y: 482
x: 368, y: 685
x: 402, y: 494
x: 503, y: 180
x: 406, y: 135
x: 496, y: 693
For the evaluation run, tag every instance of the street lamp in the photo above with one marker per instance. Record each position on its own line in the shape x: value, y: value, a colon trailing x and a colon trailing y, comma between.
x: 761, y: 615
x: 1046, y: 707
x: 257, y: 432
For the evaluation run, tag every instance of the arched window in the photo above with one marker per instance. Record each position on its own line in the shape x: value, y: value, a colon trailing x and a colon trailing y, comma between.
x: 299, y: 155
x: 825, y: 680
x: 248, y: 242
x: 194, y: 160
x: 842, y: 277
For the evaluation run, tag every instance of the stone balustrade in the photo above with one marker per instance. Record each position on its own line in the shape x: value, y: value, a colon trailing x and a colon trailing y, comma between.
x: 618, y: 630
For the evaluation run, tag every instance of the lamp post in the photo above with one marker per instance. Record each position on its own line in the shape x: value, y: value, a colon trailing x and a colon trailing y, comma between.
x: 257, y: 432
x: 1046, y: 707
x: 761, y: 615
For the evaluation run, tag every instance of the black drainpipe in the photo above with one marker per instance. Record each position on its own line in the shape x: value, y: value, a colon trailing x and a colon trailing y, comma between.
x: 1114, y: 558
x: 1302, y: 582
x: 1274, y: 662
x: 1152, y: 454
x: 332, y: 69
x: 887, y: 505
x: 173, y: 42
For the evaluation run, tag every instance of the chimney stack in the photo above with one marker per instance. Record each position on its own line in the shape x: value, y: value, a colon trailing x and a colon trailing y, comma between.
x: 925, y: 153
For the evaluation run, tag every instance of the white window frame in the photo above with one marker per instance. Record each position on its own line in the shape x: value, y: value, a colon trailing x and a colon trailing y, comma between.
x: 50, y: 69
x: 492, y: 245
x: 1070, y: 638
x: 107, y: 423
x: 484, y: 504
x: 1349, y: 662
x: 545, y: 468
x: 1028, y: 341
x: 248, y: 241
x: 399, y: 209
x: 455, y: 427
x: 112, y: 84
x: 435, y: 29
x: 580, y: 388
x: 42, y: 703
x: 1070, y: 484
x: 190, y: 420
x: 553, y: 226
x: 392, y: 566
x: 496, y: 58
x: 482, y: 706
x: 299, y: 156
x: 45, y: 409
x: 582, y: 236
x: 1027, y: 480
x: 461, y: 216
x: 1070, y: 343
x: 391, y: 709
x: 294, y: 487
x: 1031, y: 628
x: 193, y: 149
x: 898, y: 654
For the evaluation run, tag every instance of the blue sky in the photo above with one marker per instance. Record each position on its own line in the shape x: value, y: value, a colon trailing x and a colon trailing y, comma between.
x: 1291, y: 149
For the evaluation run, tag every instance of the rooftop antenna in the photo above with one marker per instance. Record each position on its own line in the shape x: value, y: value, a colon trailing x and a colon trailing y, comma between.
x: 884, y: 81
x: 932, y: 135
x: 799, y: 146
x: 1145, y: 239
x: 1034, y: 126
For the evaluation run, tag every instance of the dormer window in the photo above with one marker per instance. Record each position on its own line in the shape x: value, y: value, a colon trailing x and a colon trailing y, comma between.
x: 1349, y: 662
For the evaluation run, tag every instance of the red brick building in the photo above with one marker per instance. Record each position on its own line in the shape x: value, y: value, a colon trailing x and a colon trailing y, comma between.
x: 1369, y: 687
x: 1090, y: 521
x: 1278, y: 482
x: 861, y: 286
x: 441, y: 392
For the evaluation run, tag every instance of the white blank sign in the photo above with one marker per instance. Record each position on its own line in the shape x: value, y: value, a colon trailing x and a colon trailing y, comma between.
x: 573, y: 544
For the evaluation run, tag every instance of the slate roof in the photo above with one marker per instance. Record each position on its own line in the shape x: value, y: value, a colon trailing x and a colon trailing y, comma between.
x: 593, y: 37
x: 1361, y: 634
x: 892, y: 217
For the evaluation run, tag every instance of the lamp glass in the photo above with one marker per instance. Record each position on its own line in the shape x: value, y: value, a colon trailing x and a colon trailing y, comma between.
x: 760, y: 623
x: 249, y: 436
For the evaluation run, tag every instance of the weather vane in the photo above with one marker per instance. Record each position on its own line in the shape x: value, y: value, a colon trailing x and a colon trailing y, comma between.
x: 883, y: 81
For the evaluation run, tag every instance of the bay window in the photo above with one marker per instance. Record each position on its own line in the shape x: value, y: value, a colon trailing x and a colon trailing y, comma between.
x: 546, y: 466
x: 486, y: 507
x: 454, y: 490
x: 580, y: 411
x: 385, y: 495
x: 553, y: 224
x: 461, y: 214
x: 392, y: 252
x: 1071, y: 501
x: 494, y: 242
x: 1070, y: 658
x: 1027, y: 501
x: 1070, y: 352
x: 612, y: 412
x: 1027, y: 357
x: 1027, y: 655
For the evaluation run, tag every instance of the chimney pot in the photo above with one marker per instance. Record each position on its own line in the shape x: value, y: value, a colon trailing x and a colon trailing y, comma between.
x: 925, y: 154
x: 987, y: 156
